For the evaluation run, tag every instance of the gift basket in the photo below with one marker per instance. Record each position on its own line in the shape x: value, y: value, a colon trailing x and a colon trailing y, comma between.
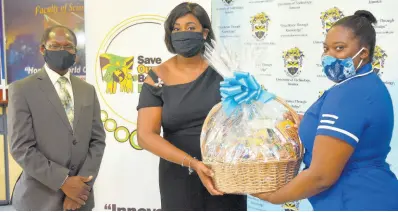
x: 245, y: 139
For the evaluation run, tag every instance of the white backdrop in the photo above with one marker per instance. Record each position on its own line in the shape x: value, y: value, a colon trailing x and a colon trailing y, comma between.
x: 297, y: 27
x: 125, y: 35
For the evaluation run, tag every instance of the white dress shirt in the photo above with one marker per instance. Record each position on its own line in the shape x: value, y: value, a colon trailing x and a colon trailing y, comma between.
x: 54, y: 76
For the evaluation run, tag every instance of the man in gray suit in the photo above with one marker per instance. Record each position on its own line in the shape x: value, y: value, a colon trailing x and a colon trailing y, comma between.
x: 57, y: 135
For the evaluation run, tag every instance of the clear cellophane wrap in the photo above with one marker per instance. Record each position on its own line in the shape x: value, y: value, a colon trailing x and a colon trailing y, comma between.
x: 246, y: 138
x: 253, y: 130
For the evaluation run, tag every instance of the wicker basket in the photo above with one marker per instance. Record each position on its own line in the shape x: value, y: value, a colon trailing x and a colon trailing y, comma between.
x: 254, y: 176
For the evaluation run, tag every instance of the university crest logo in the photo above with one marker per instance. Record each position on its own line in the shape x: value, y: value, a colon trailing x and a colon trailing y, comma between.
x: 260, y: 23
x: 379, y: 58
x: 293, y: 61
x: 228, y: 2
x: 329, y: 17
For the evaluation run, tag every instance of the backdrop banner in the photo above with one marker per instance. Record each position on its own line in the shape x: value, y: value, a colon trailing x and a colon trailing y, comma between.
x: 289, y: 35
x: 126, y: 39
x: 25, y: 22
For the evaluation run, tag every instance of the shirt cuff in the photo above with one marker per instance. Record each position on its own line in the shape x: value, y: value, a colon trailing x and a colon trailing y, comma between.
x: 65, y: 180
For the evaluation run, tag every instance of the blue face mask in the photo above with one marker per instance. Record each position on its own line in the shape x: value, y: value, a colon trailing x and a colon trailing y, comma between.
x: 338, y: 70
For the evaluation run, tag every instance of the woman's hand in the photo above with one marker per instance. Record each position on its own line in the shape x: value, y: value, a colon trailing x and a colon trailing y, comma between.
x: 205, y: 175
x: 288, y: 115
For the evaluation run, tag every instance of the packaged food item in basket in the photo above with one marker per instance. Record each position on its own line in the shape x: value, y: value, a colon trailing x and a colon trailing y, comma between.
x: 245, y: 139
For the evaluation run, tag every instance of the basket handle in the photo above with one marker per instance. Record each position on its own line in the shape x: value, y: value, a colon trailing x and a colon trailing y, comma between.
x: 296, y: 119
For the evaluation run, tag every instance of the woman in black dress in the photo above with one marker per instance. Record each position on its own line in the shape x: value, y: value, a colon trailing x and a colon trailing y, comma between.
x: 177, y: 96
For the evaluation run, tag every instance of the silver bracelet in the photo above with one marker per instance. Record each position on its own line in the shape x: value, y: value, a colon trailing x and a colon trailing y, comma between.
x: 190, y: 170
x: 182, y: 163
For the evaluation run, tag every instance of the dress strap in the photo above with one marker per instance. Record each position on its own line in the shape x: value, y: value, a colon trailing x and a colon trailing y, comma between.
x: 158, y: 82
x: 154, y: 76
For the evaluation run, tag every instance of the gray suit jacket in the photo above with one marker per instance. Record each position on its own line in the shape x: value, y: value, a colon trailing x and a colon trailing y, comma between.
x: 44, y: 144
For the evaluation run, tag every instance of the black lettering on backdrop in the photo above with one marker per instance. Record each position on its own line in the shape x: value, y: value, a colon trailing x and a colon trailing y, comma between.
x: 114, y: 207
x: 149, y: 60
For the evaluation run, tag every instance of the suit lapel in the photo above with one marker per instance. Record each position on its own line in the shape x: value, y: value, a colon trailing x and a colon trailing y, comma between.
x: 48, y: 89
x: 77, y: 98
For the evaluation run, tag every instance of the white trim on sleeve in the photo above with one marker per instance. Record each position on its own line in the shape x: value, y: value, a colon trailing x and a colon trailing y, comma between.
x: 330, y: 116
x: 340, y: 131
x: 327, y: 122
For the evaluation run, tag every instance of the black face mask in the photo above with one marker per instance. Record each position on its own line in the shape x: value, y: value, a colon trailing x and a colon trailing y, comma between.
x: 187, y: 44
x: 59, y: 60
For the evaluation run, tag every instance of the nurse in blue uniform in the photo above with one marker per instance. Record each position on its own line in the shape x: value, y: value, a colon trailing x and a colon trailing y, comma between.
x: 347, y: 131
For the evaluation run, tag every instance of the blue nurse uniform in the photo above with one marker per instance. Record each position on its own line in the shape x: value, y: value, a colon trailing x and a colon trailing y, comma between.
x: 358, y: 111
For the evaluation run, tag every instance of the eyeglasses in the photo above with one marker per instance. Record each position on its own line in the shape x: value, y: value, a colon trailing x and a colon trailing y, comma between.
x: 56, y: 47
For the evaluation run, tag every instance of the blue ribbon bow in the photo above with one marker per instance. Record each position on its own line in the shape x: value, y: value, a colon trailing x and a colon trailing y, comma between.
x: 242, y: 88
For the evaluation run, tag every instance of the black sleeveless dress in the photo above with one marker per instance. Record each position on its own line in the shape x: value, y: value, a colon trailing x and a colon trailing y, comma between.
x: 184, y: 109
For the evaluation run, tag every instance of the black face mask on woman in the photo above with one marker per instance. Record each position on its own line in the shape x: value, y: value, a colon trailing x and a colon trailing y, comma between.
x: 187, y: 44
x: 59, y: 60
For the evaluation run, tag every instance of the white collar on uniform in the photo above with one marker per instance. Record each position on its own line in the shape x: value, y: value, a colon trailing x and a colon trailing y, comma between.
x: 355, y: 76
x: 54, y: 76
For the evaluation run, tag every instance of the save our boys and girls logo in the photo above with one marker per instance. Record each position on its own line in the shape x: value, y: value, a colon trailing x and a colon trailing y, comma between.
x: 120, y: 72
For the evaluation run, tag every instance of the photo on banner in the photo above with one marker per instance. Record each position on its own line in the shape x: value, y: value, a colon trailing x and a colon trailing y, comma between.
x: 291, y: 47
x: 25, y: 22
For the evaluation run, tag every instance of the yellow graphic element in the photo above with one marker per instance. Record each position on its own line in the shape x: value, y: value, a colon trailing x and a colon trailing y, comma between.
x: 118, y: 70
x: 108, y: 38
x: 379, y: 58
x: 10, y: 40
x: 320, y: 93
x: 329, y: 17
x: 290, y: 206
x: 143, y: 69
x: 121, y: 133
x: 293, y: 61
x: 260, y: 23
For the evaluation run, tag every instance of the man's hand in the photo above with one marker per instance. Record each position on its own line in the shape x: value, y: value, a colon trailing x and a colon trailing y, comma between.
x: 69, y: 204
x: 76, y: 188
